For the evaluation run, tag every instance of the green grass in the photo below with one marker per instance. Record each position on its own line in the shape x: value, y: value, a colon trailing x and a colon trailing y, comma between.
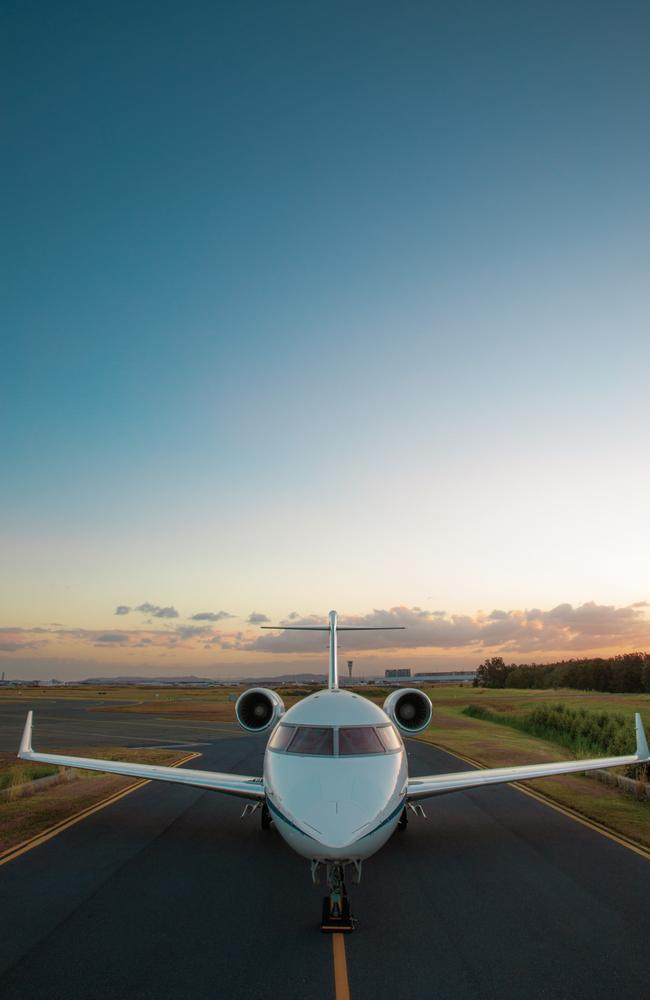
x: 606, y: 733
x: 455, y: 698
x: 22, y: 774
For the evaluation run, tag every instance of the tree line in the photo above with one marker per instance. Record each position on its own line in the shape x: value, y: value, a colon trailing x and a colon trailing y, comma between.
x: 628, y: 672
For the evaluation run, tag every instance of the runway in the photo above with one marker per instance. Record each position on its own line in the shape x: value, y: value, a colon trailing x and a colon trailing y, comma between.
x: 70, y: 722
x: 168, y: 893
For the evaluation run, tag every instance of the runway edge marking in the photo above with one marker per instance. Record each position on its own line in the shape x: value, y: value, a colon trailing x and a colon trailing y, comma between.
x: 592, y: 824
x: 40, y: 838
x: 341, y: 984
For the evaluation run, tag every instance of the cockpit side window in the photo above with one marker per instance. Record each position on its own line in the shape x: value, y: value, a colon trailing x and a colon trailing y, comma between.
x: 313, y: 740
x: 389, y: 737
x: 359, y: 740
x: 282, y: 737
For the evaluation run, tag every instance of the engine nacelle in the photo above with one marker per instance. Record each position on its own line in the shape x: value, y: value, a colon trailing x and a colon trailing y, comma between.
x: 410, y: 709
x: 258, y: 708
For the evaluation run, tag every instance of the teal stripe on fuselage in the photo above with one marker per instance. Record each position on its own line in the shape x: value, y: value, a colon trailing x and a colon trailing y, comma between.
x: 284, y: 819
x: 383, y: 823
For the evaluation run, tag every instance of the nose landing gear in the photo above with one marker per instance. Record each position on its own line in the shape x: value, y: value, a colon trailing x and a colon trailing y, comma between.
x: 336, y: 917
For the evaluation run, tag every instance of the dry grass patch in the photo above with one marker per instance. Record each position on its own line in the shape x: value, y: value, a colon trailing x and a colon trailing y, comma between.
x: 199, y: 708
x: 21, y: 819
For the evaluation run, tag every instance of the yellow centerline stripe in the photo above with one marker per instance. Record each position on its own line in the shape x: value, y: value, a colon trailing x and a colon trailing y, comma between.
x: 592, y: 824
x: 52, y: 831
x: 341, y: 985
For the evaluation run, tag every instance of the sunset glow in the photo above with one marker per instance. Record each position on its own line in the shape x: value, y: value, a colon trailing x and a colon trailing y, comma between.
x: 378, y: 340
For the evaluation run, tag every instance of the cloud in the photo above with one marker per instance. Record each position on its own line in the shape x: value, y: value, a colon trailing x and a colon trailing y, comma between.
x: 156, y: 611
x: 15, y: 640
x: 255, y: 618
x: 518, y: 634
x: 210, y: 616
x: 562, y: 628
x: 122, y: 609
x: 16, y: 647
x: 191, y: 631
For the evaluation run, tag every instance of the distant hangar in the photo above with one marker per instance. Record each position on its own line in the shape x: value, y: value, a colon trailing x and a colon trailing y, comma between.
x: 445, y: 677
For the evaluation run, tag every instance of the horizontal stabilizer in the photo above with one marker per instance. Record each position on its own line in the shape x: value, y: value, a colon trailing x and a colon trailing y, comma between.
x: 339, y: 628
x: 333, y: 628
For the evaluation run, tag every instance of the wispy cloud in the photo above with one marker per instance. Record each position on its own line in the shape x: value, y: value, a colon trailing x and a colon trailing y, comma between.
x: 156, y: 611
x: 210, y: 616
x: 17, y: 640
x: 153, y: 610
x: 18, y: 647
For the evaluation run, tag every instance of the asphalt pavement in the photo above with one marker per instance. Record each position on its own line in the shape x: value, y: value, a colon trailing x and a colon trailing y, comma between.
x: 169, y: 893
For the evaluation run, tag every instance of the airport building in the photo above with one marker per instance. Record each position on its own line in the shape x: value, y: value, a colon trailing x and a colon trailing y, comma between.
x: 445, y: 677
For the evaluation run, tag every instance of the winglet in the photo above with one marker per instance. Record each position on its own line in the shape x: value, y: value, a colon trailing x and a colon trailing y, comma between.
x: 26, y: 741
x: 642, y: 751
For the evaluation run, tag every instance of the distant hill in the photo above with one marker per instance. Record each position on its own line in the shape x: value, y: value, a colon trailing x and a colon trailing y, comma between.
x: 193, y: 679
x: 285, y: 679
x: 181, y: 679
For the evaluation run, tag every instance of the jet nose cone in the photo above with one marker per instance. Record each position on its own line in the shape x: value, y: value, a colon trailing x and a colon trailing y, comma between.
x: 338, y: 822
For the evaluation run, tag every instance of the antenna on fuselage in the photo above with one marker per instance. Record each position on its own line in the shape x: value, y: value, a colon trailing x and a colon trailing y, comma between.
x: 333, y: 628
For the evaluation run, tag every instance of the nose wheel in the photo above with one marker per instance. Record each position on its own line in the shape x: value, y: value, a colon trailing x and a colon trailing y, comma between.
x: 336, y: 916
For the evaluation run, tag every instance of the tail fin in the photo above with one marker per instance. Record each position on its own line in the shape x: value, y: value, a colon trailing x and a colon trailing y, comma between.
x: 333, y: 628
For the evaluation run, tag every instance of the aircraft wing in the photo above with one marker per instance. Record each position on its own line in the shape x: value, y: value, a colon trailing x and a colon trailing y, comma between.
x: 229, y: 784
x: 438, y: 784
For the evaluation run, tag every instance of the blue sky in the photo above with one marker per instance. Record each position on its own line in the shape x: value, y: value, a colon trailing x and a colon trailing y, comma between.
x: 323, y: 305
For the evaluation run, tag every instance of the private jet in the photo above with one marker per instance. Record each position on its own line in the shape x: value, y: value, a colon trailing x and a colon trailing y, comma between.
x: 335, y: 780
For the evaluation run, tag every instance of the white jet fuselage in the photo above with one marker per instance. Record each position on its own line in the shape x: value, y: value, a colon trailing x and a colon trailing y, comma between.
x: 341, y: 800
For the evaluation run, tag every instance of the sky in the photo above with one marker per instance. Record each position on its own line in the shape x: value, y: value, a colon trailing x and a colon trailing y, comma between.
x: 312, y: 306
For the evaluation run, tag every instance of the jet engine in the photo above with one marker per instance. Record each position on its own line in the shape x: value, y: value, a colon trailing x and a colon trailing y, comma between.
x: 410, y: 709
x: 258, y: 708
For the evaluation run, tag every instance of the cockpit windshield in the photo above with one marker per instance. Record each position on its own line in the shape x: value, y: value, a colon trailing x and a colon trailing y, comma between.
x: 327, y: 741
x: 358, y: 739
x: 312, y: 740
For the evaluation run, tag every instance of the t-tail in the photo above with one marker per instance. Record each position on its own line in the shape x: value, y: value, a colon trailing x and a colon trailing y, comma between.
x: 333, y: 628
